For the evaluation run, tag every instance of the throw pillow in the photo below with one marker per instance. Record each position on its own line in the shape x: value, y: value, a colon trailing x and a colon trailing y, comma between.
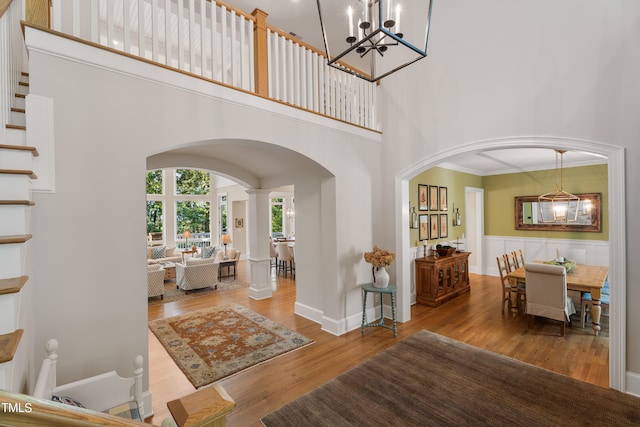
x: 231, y: 253
x: 219, y: 255
x: 67, y: 401
x: 159, y: 252
x: 197, y: 261
x: 208, y: 252
x: 170, y: 251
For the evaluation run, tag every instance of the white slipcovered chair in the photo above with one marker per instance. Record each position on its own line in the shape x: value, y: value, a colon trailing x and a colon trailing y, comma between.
x: 197, y: 273
x: 546, y: 289
x: 285, y: 258
x: 155, y: 281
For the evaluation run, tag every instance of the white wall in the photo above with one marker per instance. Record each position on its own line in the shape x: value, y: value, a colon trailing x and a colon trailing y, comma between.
x: 91, y: 272
x: 505, y: 69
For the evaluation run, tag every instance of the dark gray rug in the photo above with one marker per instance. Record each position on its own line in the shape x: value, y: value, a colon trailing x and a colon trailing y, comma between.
x: 431, y: 380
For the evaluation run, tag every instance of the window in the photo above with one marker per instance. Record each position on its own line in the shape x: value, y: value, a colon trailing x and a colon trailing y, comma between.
x: 194, y: 182
x: 193, y: 216
x: 276, y: 218
x: 154, y: 182
x: 222, y: 206
x: 154, y: 216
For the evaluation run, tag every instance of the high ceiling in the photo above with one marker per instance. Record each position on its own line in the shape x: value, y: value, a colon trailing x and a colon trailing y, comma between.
x: 301, y: 18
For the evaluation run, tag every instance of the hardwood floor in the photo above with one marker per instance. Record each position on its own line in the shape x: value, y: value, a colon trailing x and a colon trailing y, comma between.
x: 474, y: 318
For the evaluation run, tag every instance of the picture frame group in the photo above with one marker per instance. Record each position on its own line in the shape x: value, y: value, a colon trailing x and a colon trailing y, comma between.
x: 435, y: 200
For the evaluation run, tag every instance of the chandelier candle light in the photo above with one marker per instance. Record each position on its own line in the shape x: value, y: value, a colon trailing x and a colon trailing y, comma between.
x: 564, y: 205
x: 375, y: 45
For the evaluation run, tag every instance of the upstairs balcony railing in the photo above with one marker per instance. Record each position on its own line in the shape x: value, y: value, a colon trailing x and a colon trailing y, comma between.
x: 213, y: 40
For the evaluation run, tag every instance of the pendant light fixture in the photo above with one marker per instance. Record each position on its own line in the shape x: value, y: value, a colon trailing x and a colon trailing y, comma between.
x: 559, y: 205
x: 366, y: 39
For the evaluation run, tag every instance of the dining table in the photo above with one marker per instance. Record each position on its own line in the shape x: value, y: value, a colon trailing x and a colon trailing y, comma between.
x: 584, y: 278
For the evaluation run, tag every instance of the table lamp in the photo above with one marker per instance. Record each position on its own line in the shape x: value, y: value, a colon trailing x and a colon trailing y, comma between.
x: 186, y: 234
x: 226, y: 239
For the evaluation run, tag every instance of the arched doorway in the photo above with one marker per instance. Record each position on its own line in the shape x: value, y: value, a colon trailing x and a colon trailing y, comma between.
x: 617, y: 261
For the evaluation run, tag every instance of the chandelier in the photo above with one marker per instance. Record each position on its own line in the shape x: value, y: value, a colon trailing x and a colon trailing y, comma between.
x: 559, y: 205
x: 368, y: 36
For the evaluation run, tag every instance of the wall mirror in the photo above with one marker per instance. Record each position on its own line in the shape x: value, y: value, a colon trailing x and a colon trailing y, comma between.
x: 528, y: 215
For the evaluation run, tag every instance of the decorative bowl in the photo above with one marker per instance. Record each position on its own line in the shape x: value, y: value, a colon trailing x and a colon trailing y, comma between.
x: 445, y: 251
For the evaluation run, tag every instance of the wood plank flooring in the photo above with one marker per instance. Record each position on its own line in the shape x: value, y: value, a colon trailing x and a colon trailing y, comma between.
x: 474, y: 318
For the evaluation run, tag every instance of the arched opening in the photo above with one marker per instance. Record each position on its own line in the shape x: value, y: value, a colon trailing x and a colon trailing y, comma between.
x: 261, y: 168
x: 617, y: 253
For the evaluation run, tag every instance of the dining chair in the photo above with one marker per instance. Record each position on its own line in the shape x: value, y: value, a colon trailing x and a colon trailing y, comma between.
x: 520, y: 257
x: 506, y: 286
x: 511, y: 262
x: 587, y: 302
x: 285, y: 259
x: 273, y: 254
x: 547, y: 293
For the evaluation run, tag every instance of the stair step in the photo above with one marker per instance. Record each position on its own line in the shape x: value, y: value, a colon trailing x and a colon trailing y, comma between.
x: 17, y: 203
x: 30, y: 174
x: 23, y: 84
x: 18, y: 127
x: 20, y: 238
x: 12, y: 285
x: 34, y: 150
x: 9, y: 345
x: 18, y: 110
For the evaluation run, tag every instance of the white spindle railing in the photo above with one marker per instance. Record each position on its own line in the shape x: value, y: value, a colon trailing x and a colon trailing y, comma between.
x: 300, y: 76
x: 196, y: 36
x: 215, y: 42
x: 12, y: 54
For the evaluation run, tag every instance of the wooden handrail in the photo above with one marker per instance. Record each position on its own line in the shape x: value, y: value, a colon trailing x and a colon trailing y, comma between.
x: 4, y: 5
x: 20, y: 410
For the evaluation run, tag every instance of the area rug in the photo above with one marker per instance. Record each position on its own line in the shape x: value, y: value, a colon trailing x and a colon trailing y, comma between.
x: 172, y: 293
x: 431, y: 380
x: 212, y: 344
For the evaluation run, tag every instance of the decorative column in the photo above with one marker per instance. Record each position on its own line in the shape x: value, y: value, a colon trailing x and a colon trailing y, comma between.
x: 259, y: 254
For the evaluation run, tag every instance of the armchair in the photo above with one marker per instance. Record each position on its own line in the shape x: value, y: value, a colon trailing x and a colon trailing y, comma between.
x: 197, y: 273
x: 155, y: 281
x: 546, y: 290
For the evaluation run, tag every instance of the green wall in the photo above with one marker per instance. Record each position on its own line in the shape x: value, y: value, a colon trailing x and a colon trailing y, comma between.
x: 455, y: 183
x: 499, y: 198
x: 500, y: 192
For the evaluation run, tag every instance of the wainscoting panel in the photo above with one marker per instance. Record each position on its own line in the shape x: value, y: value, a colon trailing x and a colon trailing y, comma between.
x: 593, y: 252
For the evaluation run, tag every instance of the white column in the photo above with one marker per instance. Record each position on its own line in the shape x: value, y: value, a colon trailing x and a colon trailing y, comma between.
x: 259, y: 254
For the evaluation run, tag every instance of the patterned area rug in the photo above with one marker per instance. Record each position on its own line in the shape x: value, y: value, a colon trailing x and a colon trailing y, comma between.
x: 212, y: 344
x: 172, y: 293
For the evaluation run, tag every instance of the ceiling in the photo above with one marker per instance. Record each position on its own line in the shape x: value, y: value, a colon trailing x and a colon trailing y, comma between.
x: 301, y: 18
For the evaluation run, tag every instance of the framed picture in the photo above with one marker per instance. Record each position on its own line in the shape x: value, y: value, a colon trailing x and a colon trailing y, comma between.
x: 423, y: 197
x: 444, y: 225
x: 423, y: 231
x: 433, y: 197
x: 239, y: 222
x: 444, y: 205
x: 433, y: 226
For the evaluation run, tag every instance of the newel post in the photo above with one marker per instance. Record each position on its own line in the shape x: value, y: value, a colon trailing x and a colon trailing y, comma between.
x: 37, y: 12
x: 260, y: 53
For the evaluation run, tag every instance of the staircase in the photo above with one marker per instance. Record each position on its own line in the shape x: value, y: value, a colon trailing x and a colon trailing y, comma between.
x: 16, y: 175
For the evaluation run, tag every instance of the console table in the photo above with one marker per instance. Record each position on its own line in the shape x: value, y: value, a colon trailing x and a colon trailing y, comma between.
x: 440, y: 279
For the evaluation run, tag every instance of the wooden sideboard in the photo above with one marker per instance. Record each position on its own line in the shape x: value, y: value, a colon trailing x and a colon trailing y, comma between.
x: 440, y: 279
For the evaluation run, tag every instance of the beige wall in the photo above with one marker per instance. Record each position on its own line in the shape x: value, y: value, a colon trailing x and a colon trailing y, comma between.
x: 500, y: 191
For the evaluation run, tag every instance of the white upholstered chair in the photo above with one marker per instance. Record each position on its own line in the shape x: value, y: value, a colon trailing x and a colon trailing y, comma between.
x: 547, y: 293
x: 155, y: 281
x: 197, y: 273
x: 285, y: 258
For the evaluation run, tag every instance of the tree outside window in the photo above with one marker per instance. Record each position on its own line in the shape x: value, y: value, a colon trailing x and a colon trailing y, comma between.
x: 154, y: 182
x: 193, y: 216
x: 276, y: 218
x: 194, y: 182
x: 154, y: 216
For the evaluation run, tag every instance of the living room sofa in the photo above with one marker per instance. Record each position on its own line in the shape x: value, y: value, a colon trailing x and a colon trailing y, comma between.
x: 161, y: 254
